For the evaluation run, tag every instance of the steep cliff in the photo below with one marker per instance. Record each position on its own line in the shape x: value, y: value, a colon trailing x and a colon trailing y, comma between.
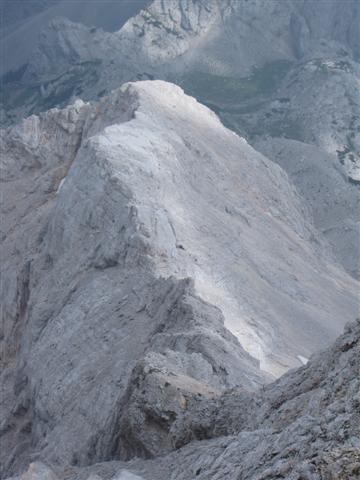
x: 142, y: 242
x: 305, y: 425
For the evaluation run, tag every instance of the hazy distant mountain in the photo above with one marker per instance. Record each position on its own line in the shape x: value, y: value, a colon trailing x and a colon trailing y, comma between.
x: 23, y: 21
x: 13, y: 12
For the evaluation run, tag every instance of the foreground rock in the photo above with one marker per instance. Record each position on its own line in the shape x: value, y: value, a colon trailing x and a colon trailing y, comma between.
x: 142, y: 241
x: 305, y: 425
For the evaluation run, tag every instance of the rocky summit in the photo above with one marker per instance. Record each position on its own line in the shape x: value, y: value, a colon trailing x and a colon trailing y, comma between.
x: 180, y: 240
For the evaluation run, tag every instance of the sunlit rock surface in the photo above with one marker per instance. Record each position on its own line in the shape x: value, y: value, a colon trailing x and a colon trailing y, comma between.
x: 142, y: 242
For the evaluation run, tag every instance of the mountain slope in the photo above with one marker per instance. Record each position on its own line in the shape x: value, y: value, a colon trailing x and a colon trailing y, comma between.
x: 305, y: 425
x: 186, y: 36
x: 23, y: 20
x: 296, y: 77
x: 334, y: 202
x: 110, y: 208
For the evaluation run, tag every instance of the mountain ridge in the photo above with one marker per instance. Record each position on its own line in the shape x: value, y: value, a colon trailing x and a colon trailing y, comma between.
x: 180, y: 239
x: 301, y: 82
x: 114, y: 220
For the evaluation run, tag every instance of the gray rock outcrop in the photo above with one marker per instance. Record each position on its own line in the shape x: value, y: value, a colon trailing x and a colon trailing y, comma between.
x: 296, y: 77
x: 110, y: 209
x: 304, y: 425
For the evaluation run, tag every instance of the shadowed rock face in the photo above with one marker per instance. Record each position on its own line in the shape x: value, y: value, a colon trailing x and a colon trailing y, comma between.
x: 22, y: 22
x: 304, y: 425
x: 110, y: 209
x: 14, y: 13
x: 334, y: 202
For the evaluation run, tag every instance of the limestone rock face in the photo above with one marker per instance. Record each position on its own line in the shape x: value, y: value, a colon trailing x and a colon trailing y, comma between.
x: 318, y: 103
x: 37, y: 471
x: 158, y: 272
x: 295, y: 77
x: 334, y: 201
x: 152, y: 257
x: 304, y: 425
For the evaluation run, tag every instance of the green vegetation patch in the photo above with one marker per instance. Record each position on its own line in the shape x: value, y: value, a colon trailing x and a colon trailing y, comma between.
x: 43, y: 95
x: 223, y: 90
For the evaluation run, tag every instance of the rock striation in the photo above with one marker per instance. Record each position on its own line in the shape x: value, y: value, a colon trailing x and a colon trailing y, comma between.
x: 295, y: 78
x: 153, y: 258
x: 304, y: 425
